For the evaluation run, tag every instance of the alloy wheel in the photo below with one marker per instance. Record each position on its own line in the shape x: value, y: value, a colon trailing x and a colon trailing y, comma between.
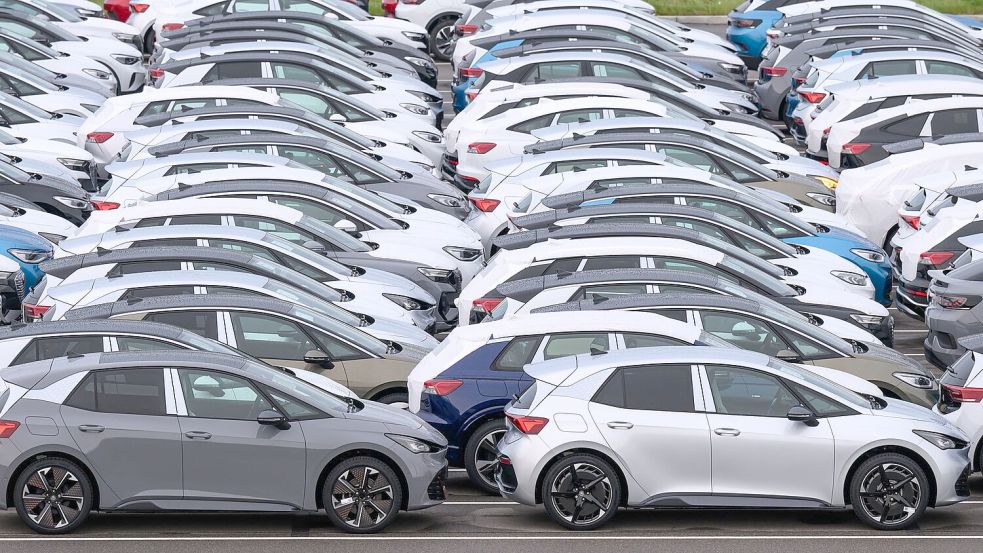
x: 581, y: 493
x: 443, y: 41
x: 486, y: 456
x: 362, y: 497
x: 53, y: 497
x: 890, y: 493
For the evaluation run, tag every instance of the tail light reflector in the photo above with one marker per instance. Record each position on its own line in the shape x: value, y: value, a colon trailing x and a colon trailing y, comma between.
x: 935, y: 258
x: 964, y: 395
x: 528, y: 425
x: 812, y: 97
x: 7, y: 428
x: 34, y: 312
x: 464, y: 30
x: 855, y: 148
x: 486, y: 304
x: 98, y: 137
x: 486, y: 205
x: 139, y: 8
x: 774, y: 71
x: 156, y: 73
x: 951, y: 302
x: 481, y: 147
x: 912, y: 220
x: 100, y: 205
x: 441, y: 387
x: 172, y: 26
x: 471, y: 72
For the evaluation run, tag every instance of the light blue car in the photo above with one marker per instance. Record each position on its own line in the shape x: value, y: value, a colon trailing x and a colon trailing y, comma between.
x: 461, y: 83
x: 21, y: 252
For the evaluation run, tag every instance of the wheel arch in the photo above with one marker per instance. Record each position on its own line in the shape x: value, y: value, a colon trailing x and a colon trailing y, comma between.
x: 891, y: 448
x: 387, y: 388
x: 362, y: 450
x: 37, y: 456
x: 582, y: 450
x: 437, y: 18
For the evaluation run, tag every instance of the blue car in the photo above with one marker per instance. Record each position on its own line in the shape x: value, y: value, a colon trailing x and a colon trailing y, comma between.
x: 26, y: 251
x: 748, y: 24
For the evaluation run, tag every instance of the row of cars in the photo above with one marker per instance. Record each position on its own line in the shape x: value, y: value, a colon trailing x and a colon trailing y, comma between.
x: 276, y: 231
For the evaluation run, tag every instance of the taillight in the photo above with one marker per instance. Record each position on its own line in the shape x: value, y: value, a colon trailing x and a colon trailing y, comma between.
x: 812, y: 97
x: 964, y: 395
x: 485, y: 204
x: 464, y: 29
x: 471, y: 72
x: 7, y: 428
x: 471, y: 94
x: 855, y: 148
x: 774, y: 71
x: 481, y: 147
x: 528, y: 425
x: 34, y: 312
x: 441, y: 387
x: 951, y: 302
x: 139, y: 8
x: 935, y: 258
x: 98, y: 137
x: 799, y: 80
x: 101, y: 205
x: 912, y: 220
x: 486, y: 304
x: 172, y: 26
x: 389, y: 7
x: 156, y: 73
x: 826, y: 131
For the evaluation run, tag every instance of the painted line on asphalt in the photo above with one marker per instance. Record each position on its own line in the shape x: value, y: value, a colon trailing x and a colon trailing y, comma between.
x: 915, y: 354
x: 480, y: 503
x: 911, y: 331
x: 574, y: 537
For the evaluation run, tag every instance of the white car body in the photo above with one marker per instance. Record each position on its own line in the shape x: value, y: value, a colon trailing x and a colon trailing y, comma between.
x: 929, y: 189
x: 68, y: 101
x: 802, y: 8
x: 78, y: 70
x: 65, y: 158
x: 869, y: 196
x: 851, y: 95
x: 969, y: 416
x: 128, y: 76
x: 933, y: 232
x: 50, y: 227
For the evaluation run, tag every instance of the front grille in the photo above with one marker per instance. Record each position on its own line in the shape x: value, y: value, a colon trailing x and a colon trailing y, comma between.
x: 962, y: 483
x: 18, y: 284
x: 437, y: 490
x: 505, y: 476
x: 448, y: 166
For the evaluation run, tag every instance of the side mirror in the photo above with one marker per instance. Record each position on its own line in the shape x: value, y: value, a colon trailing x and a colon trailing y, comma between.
x: 337, y: 118
x: 272, y: 418
x: 315, y: 246
x: 346, y: 226
x: 788, y: 356
x: 801, y: 414
x: 318, y: 357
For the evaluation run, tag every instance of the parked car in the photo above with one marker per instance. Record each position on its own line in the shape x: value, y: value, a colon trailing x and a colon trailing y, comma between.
x: 962, y: 392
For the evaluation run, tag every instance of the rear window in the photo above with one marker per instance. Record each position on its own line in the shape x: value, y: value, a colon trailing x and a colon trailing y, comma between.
x: 959, y: 372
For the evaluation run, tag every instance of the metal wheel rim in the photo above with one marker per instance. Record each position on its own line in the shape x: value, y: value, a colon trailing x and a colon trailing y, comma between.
x: 889, y: 493
x: 581, y: 493
x: 52, y: 497
x: 443, y: 39
x: 486, y: 456
x: 362, y: 497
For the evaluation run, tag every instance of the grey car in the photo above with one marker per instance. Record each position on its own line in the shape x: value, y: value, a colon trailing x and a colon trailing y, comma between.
x: 953, y: 312
x: 165, y: 431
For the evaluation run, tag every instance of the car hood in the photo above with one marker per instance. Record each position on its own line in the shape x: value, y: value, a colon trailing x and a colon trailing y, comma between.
x: 900, y: 409
x: 378, y: 412
x: 883, y: 353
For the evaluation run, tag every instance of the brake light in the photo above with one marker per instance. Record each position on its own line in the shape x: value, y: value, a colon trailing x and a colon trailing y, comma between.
x: 774, y: 71
x: 935, y: 258
x: 441, y: 387
x: 812, y: 97
x: 34, y: 312
x: 826, y: 131
x: 98, y: 137
x: 486, y: 205
x: 172, y: 26
x: 7, y: 428
x: 466, y: 29
x: 481, y: 147
x: 486, y: 304
x: 471, y: 72
x: 139, y: 8
x: 100, y: 205
x: 912, y: 220
x: 528, y: 425
x: 855, y: 148
x: 951, y: 302
x: 799, y: 80
x: 389, y: 8
x: 156, y: 73
x: 964, y: 395
x: 471, y: 94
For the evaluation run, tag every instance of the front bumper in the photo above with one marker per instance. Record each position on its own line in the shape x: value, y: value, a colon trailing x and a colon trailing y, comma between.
x: 426, y: 479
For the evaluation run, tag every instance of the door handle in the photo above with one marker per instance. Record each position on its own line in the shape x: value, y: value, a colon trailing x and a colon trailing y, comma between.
x: 197, y: 435
x: 91, y: 427
x: 620, y: 425
x: 726, y: 431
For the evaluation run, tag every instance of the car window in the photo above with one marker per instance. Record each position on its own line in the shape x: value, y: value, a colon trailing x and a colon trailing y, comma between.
x: 692, y: 157
x: 615, y: 71
x: 609, y: 291
x: 336, y: 349
x: 738, y: 173
x: 651, y: 341
x: 936, y: 67
x: 155, y: 291
x: 18, y: 87
x: 134, y: 343
x: 740, y: 391
x: 202, y: 323
x: 613, y: 262
x: 41, y: 349
x: 276, y: 228
x: 270, y: 337
x: 240, y: 6
x: 699, y: 226
x: 744, y: 332
x: 234, y: 70
x: 888, y: 68
x: 215, y: 395
x: 562, y: 345
x: 292, y: 407
x: 517, y: 354
x: 910, y: 126
x: 581, y: 165
x: 295, y: 72
x: 650, y: 388
x: 674, y: 314
x: 807, y: 348
x: 7, y: 45
x: 13, y: 117
x: 123, y: 391
x: 580, y: 116
x: 952, y: 121
x: 319, y: 161
x: 866, y: 109
x: 554, y: 70
x: 214, y: 9
x: 819, y: 404
x: 533, y: 124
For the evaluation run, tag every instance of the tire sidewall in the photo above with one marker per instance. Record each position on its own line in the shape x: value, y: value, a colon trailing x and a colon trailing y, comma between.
x: 866, y: 466
x: 375, y: 464
x: 445, y: 21
x: 600, y: 463
x: 83, y: 480
x: 470, y: 448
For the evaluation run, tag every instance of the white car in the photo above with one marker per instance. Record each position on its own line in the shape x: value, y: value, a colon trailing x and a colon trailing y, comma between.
x: 923, y: 118
x: 71, y: 21
x: 637, y: 428
x: 929, y: 189
x: 102, y: 133
x: 50, y: 227
x: 802, y: 8
x: 436, y: 16
x: 27, y: 120
x: 937, y: 234
x: 869, y: 196
x: 832, y: 71
x: 58, y: 68
x: 962, y: 396
x: 850, y: 100
x: 369, y: 291
x: 76, y: 163
x: 44, y: 94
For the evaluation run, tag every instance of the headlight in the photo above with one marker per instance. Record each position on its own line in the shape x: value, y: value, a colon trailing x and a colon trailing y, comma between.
x: 30, y: 256
x: 73, y: 164
x: 420, y: 62
x: 941, y: 441
x: 428, y: 98
x: 826, y: 181
x: 428, y: 136
x: 751, y: 98
x: 90, y: 107
x: 416, y: 108
x: 415, y: 36
x: 732, y: 67
x: 449, y: 201
x: 855, y: 279
x: 916, y: 380
x: 97, y: 73
x: 435, y: 275
x: 414, y: 445
x: 464, y: 254
x: 869, y: 255
x: 125, y: 37
x: 406, y: 303
x: 74, y: 203
x: 735, y: 107
x: 825, y: 199
x: 124, y: 59
x: 867, y: 320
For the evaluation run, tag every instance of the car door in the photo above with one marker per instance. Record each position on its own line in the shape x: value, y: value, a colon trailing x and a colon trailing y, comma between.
x: 228, y: 455
x: 756, y: 450
x: 653, y: 417
x: 120, y: 420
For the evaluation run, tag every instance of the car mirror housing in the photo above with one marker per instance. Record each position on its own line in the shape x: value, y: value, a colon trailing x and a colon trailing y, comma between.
x: 318, y: 357
x: 270, y: 417
x: 802, y: 414
x: 789, y: 356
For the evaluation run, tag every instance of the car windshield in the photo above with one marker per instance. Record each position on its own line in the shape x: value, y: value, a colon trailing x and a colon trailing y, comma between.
x: 298, y: 296
x: 9, y: 171
x: 828, y: 387
x: 306, y: 255
x: 365, y: 197
x: 648, y: 36
x: 297, y: 388
x: 57, y: 11
x: 339, y: 237
x: 340, y: 330
x: 24, y: 107
x: 7, y: 139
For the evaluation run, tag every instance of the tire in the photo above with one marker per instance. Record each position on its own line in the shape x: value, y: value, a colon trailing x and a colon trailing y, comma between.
x: 394, y: 398
x: 899, y: 504
x: 479, y: 455
x: 441, y: 32
x: 53, y: 496
x: 148, y: 41
x: 362, y: 495
x: 581, y: 492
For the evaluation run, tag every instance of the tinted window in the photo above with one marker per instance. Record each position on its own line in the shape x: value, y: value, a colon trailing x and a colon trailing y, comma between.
x: 615, y: 71
x: 952, y: 121
x: 674, y: 314
x: 934, y: 67
x: 613, y: 262
x: 214, y: 9
x: 582, y: 165
x: 137, y: 267
x: 744, y: 332
x: 132, y: 343
x: 533, y: 124
x: 866, y: 109
x: 739, y: 391
x: 272, y: 226
x: 555, y: 70
x: 650, y: 388
x: 888, y: 68
x: 580, y: 116
x: 155, y: 291
x: 214, y: 395
x: 562, y: 345
x: 912, y: 126
x: 234, y: 70
x: 49, y: 348
x: 203, y: 323
x: 271, y: 337
x: 608, y: 291
x: 292, y: 407
x: 821, y: 405
x: 518, y: 353
x: 126, y: 391
x: 651, y: 340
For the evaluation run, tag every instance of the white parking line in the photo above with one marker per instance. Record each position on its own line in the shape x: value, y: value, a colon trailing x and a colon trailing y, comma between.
x: 915, y: 354
x: 923, y: 331
x: 571, y: 537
